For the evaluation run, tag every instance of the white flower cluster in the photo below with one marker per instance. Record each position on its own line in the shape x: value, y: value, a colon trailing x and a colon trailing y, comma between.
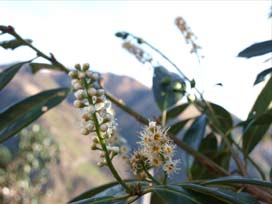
x: 96, y: 111
x: 158, y: 148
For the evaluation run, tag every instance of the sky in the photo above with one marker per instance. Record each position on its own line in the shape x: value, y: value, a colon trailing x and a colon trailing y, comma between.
x: 83, y: 31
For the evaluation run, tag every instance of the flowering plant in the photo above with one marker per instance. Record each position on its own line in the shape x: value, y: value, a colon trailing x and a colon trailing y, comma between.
x: 208, y: 143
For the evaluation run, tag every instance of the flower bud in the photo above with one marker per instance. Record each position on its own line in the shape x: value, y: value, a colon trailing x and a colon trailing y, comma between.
x: 80, y: 94
x: 92, y: 91
x: 91, y: 109
x: 85, y: 117
x: 78, y: 67
x: 94, y: 147
x: 77, y: 86
x: 100, y: 164
x: 85, y: 131
x: 73, y: 74
x: 104, y: 127
x: 100, y: 92
x: 78, y: 104
x: 81, y: 75
x: 95, y: 140
x: 85, y: 67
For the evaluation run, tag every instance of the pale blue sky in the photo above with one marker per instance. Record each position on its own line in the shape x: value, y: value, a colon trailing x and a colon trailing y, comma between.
x: 83, y: 31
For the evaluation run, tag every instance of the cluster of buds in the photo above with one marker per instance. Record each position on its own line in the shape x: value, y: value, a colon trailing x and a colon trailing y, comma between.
x: 96, y: 113
x: 188, y: 34
x: 157, y: 150
x: 138, y: 52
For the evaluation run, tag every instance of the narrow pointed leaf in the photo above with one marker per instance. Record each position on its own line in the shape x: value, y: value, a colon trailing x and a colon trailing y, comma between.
x: 13, y: 44
x: 176, y: 111
x: 261, y: 76
x: 237, y: 180
x: 222, y: 194
x: 26, y: 111
x: 8, y: 74
x: 257, y: 49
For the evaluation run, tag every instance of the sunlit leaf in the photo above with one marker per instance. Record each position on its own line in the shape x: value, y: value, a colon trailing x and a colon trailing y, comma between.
x: 17, y: 116
x: 257, y: 49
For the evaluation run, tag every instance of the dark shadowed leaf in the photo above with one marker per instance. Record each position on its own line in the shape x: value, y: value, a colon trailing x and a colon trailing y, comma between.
x: 35, y: 67
x: 168, y: 87
x: 221, y: 194
x: 261, y: 76
x: 16, y: 117
x: 178, y: 126
x: 209, y: 148
x: 194, y: 135
x: 219, y: 116
x: 176, y: 111
x: 237, y: 180
x: 257, y: 49
x: 13, y: 44
x: 263, y: 100
x: 8, y: 74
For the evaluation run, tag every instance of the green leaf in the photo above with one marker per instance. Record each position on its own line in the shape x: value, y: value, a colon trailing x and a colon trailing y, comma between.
x: 172, y: 195
x: 173, y: 112
x: 26, y: 111
x: 263, y: 100
x: 35, y: 67
x: 257, y: 49
x: 8, y: 74
x: 178, y: 126
x: 13, y: 44
x: 107, y: 193
x: 194, y: 135
x: 209, y: 148
x: 237, y: 180
x: 222, y: 194
x: 255, y: 129
x: 168, y: 87
x: 261, y: 76
x: 95, y: 191
x: 219, y: 116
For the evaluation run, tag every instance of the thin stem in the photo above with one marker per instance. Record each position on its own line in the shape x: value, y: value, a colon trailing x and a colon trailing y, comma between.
x: 103, y: 144
x: 150, y: 176
x: 164, y: 178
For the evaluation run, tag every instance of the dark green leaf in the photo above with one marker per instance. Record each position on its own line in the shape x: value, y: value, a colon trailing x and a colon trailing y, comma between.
x: 237, y: 180
x: 257, y: 49
x: 261, y: 76
x: 168, y: 87
x: 270, y: 175
x: 172, y: 195
x: 24, y: 112
x: 263, y: 100
x: 194, y: 135
x: 209, y: 148
x: 35, y: 67
x: 222, y: 194
x: 93, y: 192
x: 108, y: 193
x: 219, y: 117
x: 13, y: 44
x: 178, y: 126
x: 176, y: 111
x: 8, y: 74
x: 255, y: 129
